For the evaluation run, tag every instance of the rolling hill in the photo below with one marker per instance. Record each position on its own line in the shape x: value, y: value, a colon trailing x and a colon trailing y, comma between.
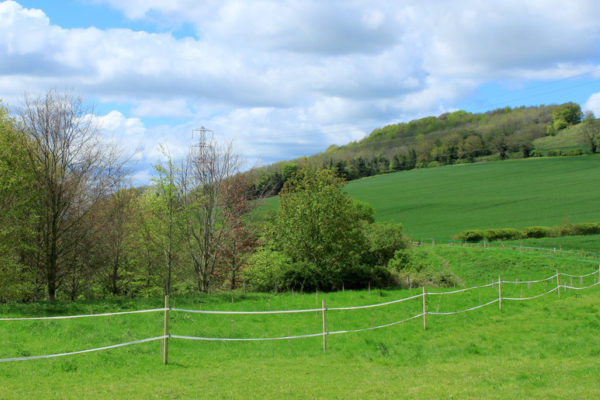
x: 443, y: 201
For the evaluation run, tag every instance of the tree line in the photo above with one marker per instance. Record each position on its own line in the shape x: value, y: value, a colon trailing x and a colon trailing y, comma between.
x: 70, y: 228
x: 451, y: 138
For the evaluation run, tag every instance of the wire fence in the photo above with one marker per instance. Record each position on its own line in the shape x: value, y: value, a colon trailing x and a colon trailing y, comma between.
x: 500, y: 245
x: 498, y: 298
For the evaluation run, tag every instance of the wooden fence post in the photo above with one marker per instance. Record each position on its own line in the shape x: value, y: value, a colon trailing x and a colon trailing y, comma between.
x: 324, y: 326
x: 558, y: 283
x: 500, y: 292
x: 424, y: 309
x: 166, y: 332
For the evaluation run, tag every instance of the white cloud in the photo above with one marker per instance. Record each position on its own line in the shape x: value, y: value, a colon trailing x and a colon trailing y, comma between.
x: 162, y: 108
x: 593, y: 104
x: 286, y: 78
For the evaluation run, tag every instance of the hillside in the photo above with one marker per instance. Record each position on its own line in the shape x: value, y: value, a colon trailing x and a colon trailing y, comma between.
x: 452, y: 138
x: 441, y: 202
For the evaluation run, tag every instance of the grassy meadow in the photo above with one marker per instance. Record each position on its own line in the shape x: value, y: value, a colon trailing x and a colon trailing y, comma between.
x: 544, y: 348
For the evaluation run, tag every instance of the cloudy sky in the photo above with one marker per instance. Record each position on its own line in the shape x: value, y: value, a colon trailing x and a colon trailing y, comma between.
x: 283, y: 79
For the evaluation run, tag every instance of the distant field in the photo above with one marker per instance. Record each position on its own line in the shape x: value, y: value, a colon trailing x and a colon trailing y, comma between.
x: 443, y: 201
x: 539, y: 349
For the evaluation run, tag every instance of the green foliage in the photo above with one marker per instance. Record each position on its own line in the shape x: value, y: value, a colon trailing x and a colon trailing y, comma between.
x: 18, y: 215
x: 536, y: 231
x: 383, y: 240
x: 421, y: 267
x: 321, y: 239
x: 288, y: 170
x: 572, y: 152
x: 578, y: 229
x: 566, y: 115
x: 589, y: 228
x: 472, y: 235
x: 317, y: 223
x: 554, y: 153
x: 502, y: 234
x: 266, y: 269
x: 363, y: 211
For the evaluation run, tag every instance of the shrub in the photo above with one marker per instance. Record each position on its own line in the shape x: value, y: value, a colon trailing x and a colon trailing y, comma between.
x: 473, y: 235
x: 537, y: 232
x: 589, y: 228
x: 266, y: 269
x: 383, y: 240
x: 361, y: 276
x: 502, y: 234
x: 572, y: 152
x: 553, y: 153
x: 420, y: 269
x: 535, y: 153
x: 305, y: 276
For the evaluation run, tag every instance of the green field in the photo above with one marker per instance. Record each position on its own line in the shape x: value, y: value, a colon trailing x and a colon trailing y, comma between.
x: 544, y: 348
x: 443, y: 201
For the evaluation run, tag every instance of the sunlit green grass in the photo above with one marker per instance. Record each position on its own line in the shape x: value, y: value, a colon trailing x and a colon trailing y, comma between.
x: 571, y: 244
x: 544, y: 348
x: 444, y: 201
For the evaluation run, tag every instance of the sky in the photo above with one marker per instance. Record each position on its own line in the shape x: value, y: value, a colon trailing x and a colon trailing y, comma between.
x: 281, y: 79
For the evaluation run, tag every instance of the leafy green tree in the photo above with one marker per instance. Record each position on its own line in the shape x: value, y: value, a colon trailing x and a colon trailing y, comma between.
x: 591, y: 131
x: 18, y: 215
x: 166, y: 218
x: 317, y: 223
x: 288, y: 170
x: 383, y: 240
x: 566, y: 115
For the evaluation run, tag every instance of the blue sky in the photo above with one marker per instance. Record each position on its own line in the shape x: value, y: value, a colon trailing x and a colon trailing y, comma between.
x: 281, y: 78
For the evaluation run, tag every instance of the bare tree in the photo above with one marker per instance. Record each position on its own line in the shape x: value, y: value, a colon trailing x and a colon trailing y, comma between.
x: 203, y: 178
x: 72, y: 170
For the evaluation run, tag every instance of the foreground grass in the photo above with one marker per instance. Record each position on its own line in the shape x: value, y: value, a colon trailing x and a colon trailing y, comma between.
x: 544, y: 348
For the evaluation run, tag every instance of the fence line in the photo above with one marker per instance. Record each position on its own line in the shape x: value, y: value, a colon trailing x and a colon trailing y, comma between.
x: 580, y: 288
x: 376, y: 305
x: 554, y: 289
x: 83, y: 315
x: 324, y: 309
x: 466, y: 310
x: 513, y: 248
x: 540, y: 280
x: 114, y: 346
x: 246, y: 312
x: 461, y: 290
x: 579, y: 276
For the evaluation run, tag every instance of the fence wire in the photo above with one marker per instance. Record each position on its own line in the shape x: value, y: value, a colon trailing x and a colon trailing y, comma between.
x: 289, y: 337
